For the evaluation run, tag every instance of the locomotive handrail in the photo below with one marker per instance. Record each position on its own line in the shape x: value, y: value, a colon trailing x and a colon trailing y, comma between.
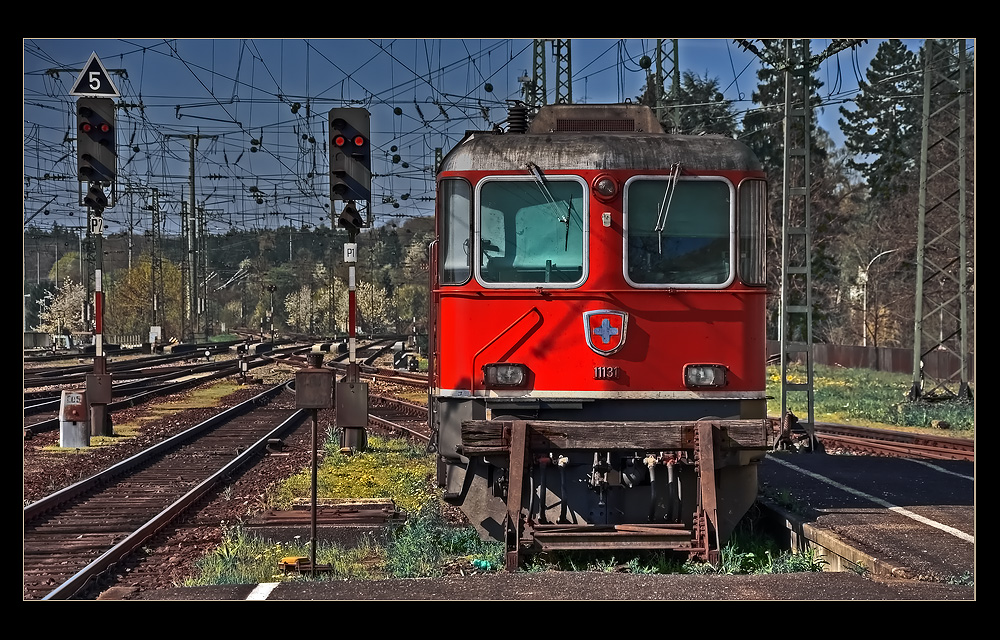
x: 495, y: 338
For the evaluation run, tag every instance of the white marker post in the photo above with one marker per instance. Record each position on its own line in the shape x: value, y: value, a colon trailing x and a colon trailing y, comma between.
x: 351, y: 258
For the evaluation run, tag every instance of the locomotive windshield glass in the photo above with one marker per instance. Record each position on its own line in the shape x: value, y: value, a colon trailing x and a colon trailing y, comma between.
x: 678, y: 232
x: 455, y: 220
x: 531, y: 231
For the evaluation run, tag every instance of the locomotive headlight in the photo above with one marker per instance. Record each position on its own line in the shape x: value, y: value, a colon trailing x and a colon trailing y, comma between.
x: 505, y: 374
x: 705, y: 375
x: 605, y: 187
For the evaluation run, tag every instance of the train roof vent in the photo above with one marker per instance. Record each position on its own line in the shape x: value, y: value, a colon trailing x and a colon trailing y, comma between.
x: 595, y: 118
x: 618, y: 124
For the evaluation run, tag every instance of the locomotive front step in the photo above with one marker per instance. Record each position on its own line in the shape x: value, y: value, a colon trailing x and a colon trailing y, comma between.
x: 611, y: 537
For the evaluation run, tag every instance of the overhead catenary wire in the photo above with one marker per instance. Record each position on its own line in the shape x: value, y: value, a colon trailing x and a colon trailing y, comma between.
x: 250, y: 89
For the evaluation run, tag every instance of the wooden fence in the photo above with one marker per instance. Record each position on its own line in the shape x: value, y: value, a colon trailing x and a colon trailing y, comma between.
x: 940, y: 365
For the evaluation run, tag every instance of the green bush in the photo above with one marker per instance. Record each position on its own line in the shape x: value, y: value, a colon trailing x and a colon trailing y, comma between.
x: 420, y: 547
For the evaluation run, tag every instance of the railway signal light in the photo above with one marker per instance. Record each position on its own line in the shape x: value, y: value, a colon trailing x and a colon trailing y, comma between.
x: 350, y: 219
x: 350, y: 154
x: 96, y: 144
x: 95, y: 197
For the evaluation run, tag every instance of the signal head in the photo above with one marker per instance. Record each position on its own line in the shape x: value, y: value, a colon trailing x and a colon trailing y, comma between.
x: 350, y: 219
x: 96, y: 198
x: 97, y: 153
x: 350, y: 154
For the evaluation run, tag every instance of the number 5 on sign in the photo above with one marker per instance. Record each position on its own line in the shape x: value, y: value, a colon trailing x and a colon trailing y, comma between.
x: 96, y: 225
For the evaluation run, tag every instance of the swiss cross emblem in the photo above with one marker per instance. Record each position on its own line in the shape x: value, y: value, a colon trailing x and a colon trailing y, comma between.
x: 605, y: 330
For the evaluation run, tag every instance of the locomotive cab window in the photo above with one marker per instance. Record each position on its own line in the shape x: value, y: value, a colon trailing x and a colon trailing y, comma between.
x: 455, y: 201
x: 753, y: 208
x: 678, y: 232
x: 531, y: 232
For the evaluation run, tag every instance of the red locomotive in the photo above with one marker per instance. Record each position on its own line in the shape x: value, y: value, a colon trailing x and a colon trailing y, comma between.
x: 597, y: 332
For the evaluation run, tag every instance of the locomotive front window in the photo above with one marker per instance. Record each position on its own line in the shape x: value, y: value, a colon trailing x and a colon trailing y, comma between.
x: 531, y: 231
x: 678, y: 232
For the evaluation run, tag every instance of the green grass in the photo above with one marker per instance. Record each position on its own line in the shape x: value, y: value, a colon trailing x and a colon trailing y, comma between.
x: 752, y: 555
x: 868, y: 398
x: 390, y: 468
x: 422, y: 547
x: 245, y: 558
x: 745, y: 554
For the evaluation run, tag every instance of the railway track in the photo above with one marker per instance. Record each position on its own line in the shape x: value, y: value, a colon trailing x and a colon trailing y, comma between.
x: 41, y: 413
x: 399, y: 417
x: 123, y: 369
x: 862, y: 440
x: 894, y: 443
x: 77, y: 534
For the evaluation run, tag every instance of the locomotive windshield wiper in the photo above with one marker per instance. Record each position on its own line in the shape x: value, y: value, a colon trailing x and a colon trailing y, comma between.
x: 668, y: 195
x: 540, y: 180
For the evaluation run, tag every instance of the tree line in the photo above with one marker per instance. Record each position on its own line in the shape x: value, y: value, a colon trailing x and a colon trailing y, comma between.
x: 299, y: 273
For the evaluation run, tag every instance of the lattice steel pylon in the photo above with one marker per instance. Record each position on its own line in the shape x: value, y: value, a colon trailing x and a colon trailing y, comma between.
x: 942, y: 321
x: 535, y: 91
x: 796, y: 240
x: 666, y: 50
x: 564, y: 71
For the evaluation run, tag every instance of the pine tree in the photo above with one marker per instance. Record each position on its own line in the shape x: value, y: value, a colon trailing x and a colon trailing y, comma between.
x: 703, y: 109
x: 763, y: 127
x: 883, y: 130
x: 701, y: 106
x: 763, y: 131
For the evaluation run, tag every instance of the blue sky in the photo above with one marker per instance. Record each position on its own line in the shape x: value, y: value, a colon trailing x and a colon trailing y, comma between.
x: 260, y: 159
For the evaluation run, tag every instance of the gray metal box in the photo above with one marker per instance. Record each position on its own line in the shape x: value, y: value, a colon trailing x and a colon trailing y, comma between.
x: 352, y: 404
x: 99, y: 388
x: 313, y: 389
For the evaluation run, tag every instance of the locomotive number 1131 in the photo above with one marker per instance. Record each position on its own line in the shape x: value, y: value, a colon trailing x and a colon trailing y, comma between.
x: 606, y: 373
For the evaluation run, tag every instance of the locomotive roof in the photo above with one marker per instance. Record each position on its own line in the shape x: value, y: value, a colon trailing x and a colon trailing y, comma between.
x: 487, y: 151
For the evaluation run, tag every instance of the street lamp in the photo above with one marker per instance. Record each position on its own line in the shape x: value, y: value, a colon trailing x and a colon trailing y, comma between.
x: 864, y: 297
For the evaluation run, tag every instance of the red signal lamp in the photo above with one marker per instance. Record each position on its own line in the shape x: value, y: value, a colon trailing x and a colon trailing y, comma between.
x: 88, y: 127
x: 340, y: 141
